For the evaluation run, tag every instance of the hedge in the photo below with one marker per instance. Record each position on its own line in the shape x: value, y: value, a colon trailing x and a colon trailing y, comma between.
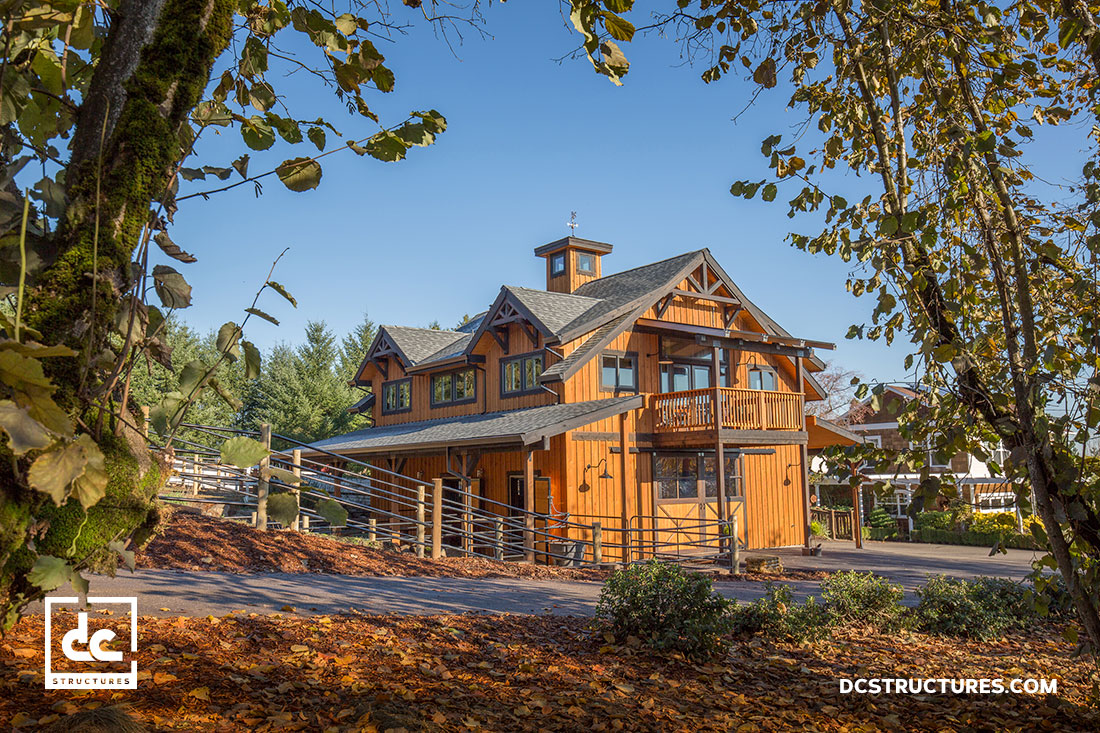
x: 978, y: 539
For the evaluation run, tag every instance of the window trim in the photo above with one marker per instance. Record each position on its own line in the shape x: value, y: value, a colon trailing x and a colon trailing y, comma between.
x: 929, y: 454
x: 583, y: 271
x: 763, y: 368
x: 733, y: 494
x: 555, y: 258
x: 637, y: 372
x: 535, y: 389
x: 396, y: 383
x: 450, y: 403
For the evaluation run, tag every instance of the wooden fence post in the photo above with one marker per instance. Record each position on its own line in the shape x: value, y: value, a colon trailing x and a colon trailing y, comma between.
x: 264, y: 483
x: 529, y: 506
x: 735, y: 548
x: 597, y: 543
x: 296, y: 469
x: 420, y: 520
x: 498, y: 539
x: 437, y: 518
x: 467, y: 515
x: 372, y: 530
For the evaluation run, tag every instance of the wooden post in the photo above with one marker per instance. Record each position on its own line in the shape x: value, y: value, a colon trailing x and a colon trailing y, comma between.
x: 296, y: 469
x: 437, y: 518
x: 145, y: 421
x: 305, y: 522
x: 498, y: 539
x: 420, y: 520
x: 264, y: 484
x: 735, y: 547
x: 857, y: 519
x: 467, y: 517
x: 761, y: 410
x: 803, y: 459
x: 372, y: 530
x: 474, y: 503
x: 529, y: 505
x: 597, y: 543
x: 719, y: 451
x: 623, y: 455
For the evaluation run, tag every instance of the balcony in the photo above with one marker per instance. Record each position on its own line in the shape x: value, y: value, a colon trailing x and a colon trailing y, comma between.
x: 740, y: 409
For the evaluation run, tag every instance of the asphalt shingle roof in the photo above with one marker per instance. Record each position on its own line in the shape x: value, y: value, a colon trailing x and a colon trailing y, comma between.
x: 555, y: 310
x: 516, y: 426
x: 421, y: 344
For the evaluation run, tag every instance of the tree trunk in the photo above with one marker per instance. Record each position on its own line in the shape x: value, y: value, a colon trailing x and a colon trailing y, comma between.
x: 126, y: 147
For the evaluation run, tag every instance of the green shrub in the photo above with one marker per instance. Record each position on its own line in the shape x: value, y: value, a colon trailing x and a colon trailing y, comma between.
x: 668, y: 608
x: 880, y: 519
x: 992, y: 523
x: 777, y: 616
x: 1050, y: 597
x: 983, y: 608
x: 852, y: 597
x: 943, y: 521
x: 880, y: 533
x: 817, y: 529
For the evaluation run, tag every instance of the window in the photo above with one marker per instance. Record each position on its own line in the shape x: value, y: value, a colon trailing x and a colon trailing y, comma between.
x: 763, y: 378
x: 686, y: 365
x: 619, y: 372
x: 520, y: 375
x: 1000, y: 455
x: 692, y: 477
x: 557, y: 264
x: 396, y: 396
x: 876, y: 441
x: 586, y: 264
x: 454, y: 388
x: 897, y: 504
x: 932, y: 457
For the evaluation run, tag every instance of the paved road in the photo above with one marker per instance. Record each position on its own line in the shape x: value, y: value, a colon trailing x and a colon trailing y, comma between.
x: 174, y: 593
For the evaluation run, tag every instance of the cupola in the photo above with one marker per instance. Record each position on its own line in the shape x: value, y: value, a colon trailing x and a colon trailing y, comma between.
x: 571, y: 262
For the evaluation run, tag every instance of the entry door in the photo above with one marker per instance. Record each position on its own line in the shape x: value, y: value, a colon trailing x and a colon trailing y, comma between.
x: 514, y: 531
x: 680, y: 377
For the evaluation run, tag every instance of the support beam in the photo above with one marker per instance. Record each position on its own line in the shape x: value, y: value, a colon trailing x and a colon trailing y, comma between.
x: 800, y: 368
x: 719, y: 455
x: 625, y: 487
x: 529, y: 505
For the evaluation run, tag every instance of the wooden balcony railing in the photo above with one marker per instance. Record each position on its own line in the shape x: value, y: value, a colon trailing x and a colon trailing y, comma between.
x: 740, y: 409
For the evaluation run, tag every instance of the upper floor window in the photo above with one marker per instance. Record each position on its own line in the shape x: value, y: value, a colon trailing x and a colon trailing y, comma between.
x: 932, y: 457
x: 876, y: 441
x: 521, y: 374
x: 557, y: 264
x: 763, y: 378
x: 1000, y: 455
x: 619, y: 372
x: 454, y: 387
x: 396, y: 396
x: 586, y: 263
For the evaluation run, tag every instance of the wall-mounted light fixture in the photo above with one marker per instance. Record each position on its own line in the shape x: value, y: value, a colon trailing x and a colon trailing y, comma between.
x: 601, y: 462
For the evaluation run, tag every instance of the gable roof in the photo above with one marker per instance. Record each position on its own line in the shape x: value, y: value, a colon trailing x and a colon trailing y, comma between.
x: 603, y: 308
x: 422, y: 344
x: 519, y: 427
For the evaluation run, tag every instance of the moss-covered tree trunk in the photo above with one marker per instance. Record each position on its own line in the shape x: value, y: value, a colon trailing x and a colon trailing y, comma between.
x: 126, y: 146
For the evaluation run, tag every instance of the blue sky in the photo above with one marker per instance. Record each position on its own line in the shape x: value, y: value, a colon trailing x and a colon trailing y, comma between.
x: 646, y: 166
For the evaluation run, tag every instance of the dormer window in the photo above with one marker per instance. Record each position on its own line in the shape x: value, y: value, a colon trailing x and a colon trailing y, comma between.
x: 586, y: 263
x: 557, y: 264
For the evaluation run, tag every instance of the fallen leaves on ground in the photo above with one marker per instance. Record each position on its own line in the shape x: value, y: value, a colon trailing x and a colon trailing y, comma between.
x: 518, y: 673
x: 197, y: 542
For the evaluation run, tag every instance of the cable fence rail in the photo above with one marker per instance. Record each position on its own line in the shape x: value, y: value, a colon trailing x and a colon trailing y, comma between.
x: 434, y: 518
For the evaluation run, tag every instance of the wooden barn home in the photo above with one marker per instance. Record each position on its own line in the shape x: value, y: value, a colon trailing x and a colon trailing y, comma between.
x: 657, y: 402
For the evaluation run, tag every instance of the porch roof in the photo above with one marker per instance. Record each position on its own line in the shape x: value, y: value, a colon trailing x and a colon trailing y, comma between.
x: 823, y: 433
x: 516, y: 427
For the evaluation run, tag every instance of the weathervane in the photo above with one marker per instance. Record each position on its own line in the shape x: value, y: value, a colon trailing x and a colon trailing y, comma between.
x: 572, y: 223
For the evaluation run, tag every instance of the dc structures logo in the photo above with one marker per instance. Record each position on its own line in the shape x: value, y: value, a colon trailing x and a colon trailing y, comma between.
x: 78, y: 646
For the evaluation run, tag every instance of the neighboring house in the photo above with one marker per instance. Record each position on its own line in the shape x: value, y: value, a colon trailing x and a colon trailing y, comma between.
x: 977, y: 486
x: 593, y: 399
